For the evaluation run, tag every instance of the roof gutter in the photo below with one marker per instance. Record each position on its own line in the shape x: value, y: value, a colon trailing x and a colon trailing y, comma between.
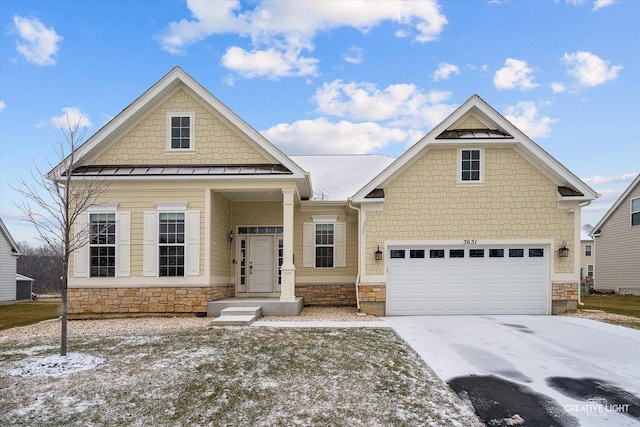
x: 349, y: 202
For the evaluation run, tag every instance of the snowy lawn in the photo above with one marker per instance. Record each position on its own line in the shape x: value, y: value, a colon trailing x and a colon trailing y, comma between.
x: 229, y: 376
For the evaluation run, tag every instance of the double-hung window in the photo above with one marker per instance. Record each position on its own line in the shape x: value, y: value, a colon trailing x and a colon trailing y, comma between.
x: 102, y: 244
x: 180, y: 128
x: 171, y: 244
x: 635, y: 211
x: 470, y: 165
x: 324, y: 243
x: 587, y: 250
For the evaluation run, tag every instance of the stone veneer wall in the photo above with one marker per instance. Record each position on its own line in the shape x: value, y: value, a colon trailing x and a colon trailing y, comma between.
x: 373, y: 299
x: 90, y: 302
x: 564, y: 297
x: 344, y: 294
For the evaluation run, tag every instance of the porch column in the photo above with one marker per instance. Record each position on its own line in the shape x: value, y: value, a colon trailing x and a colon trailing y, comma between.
x: 288, y: 269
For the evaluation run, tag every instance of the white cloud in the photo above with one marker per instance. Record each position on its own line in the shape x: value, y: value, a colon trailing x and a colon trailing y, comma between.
x: 70, y: 117
x: 270, y: 63
x: 589, y: 69
x: 525, y: 116
x: 2, y: 105
x: 289, y: 27
x: 355, y: 55
x: 321, y: 136
x: 444, y: 71
x: 516, y: 74
x: 625, y: 177
x: 558, y: 87
x: 398, y: 105
x: 601, y: 4
x: 37, y: 44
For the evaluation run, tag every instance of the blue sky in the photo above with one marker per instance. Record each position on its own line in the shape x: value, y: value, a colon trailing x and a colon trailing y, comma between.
x: 332, y: 77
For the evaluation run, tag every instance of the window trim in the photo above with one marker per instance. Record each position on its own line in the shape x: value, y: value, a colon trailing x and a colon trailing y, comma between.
x: 590, y: 270
x: 317, y: 245
x: 632, y: 212
x: 481, y: 171
x: 183, y: 244
x: 191, y: 115
x: 113, y: 245
x: 588, y: 250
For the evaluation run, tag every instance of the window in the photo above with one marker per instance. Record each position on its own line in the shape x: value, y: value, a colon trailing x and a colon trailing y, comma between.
x: 436, y: 253
x: 102, y: 244
x: 496, y: 253
x: 476, y: 253
x: 456, y: 253
x: 587, y: 250
x: 470, y: 166
x: 171, y: 244
x: 397, y: 253
x: 635, y: 211
x: 324, y: 245
x: 589, y: 270
x: 516, y: 253
x: 180, y: 131
x: 536, y: 253
x: 416, y: 253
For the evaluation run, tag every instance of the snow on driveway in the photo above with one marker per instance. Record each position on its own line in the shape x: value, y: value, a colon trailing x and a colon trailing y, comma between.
x: 551, y: 355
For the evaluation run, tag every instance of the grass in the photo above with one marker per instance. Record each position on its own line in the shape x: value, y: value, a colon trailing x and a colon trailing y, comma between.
x: 27, y: 313
x: 627, y: 305
x: 233, y: 376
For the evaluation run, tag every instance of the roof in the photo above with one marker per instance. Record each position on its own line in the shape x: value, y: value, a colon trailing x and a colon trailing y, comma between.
x: 150, y: 99
x: 499, y: 132
x: 336, y: 178
x: 615, y: 206
x: 5, y: 231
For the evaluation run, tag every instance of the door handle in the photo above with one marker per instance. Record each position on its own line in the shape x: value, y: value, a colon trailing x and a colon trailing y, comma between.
x: 251, y: 268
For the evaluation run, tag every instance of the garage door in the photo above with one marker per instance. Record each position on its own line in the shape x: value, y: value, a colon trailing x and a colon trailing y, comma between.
x: 467, y: 280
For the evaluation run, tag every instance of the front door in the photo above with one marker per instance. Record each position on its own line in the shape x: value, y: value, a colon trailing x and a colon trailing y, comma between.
x: 261, y: 264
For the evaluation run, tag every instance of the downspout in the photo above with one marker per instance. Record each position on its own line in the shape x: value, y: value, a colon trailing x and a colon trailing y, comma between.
x: 584, y: 205
x: 359, y: 248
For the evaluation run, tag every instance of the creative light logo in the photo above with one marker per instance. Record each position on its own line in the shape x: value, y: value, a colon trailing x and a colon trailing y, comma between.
x: 597, y: 407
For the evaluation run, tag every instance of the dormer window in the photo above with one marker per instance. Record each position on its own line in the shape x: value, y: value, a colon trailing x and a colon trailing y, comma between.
x: 180, y: 130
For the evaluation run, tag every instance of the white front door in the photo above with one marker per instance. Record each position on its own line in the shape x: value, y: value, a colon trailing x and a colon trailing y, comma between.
x: 261, y: 264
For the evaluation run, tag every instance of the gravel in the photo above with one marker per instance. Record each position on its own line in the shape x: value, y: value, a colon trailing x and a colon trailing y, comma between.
x: 146, y: 325
x: 603, y: 316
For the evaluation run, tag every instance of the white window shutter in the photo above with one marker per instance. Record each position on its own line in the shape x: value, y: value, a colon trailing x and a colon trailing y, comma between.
x: 308, y: 244
x: 340, y: 243
x: 193, y: 243
x: 123, y: 242
x: 150, y: 250
x: 81, y: 255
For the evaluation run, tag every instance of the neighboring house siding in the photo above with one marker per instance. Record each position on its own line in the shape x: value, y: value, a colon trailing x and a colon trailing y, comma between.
x: 424, y: 202
x: 214, y: 141
x: 618, y: 261
x: 7, y: 271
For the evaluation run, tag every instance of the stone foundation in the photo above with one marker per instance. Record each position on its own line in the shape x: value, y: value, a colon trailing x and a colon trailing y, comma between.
x: 373, y: 299
x: 564, y: 297
x: 344, y: 294
x: 109, y: 302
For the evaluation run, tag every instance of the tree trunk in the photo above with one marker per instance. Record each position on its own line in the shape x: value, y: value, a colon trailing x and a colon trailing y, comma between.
x: 63, y: 329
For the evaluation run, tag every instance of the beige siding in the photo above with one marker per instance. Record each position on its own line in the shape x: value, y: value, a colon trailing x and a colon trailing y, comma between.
x: 425, y: 202
x: 585, y: 260
x: 618, y: 259
x: 146, y: 143
x: 221, y: 254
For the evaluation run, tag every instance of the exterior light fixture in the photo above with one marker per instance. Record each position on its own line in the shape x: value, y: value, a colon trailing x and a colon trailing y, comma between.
x: 230, y: 238
x: 378, y: 254
x: 563, y: 251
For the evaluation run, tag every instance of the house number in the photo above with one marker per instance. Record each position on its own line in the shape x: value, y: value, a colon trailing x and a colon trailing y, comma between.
x: 470, y: 242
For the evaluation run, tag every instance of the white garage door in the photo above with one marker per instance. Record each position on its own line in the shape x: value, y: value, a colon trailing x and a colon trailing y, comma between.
x: 467, y: 280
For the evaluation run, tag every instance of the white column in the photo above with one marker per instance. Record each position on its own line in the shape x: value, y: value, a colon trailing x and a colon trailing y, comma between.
x: 288, y: 269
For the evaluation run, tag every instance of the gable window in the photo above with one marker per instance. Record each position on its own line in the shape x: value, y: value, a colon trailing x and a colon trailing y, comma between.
x: 171, y: 244
x: 180, y: 128
x: 587, y: 250
x: 635, y: 211
x: 102, y: 245
x: 471, y: 165
x: 324, y: 245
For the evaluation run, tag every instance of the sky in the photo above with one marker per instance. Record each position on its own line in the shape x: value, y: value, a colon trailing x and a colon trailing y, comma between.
x: 331, y: 77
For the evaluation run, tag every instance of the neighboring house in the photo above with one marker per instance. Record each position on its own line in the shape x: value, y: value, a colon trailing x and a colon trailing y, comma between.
x: 617, y: 240
x: 201, y: 207
x: 587, y: 260
x: 8, y: 256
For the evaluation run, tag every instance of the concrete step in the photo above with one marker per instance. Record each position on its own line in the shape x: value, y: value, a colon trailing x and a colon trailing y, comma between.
x: 237, y: 316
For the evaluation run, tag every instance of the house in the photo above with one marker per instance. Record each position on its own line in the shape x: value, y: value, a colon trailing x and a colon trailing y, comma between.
x: 201, y: 207
x: 617, y: 240
x: 587, y: 260
x: 9, y: 253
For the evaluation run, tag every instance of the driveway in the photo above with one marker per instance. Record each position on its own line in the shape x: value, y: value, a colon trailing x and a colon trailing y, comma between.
x: 550, y: 370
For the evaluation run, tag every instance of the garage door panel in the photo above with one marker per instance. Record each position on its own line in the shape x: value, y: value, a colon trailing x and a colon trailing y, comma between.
x: 483, y: 285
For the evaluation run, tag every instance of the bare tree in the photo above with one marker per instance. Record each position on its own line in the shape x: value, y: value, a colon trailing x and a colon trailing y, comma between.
x: 55, y: 201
